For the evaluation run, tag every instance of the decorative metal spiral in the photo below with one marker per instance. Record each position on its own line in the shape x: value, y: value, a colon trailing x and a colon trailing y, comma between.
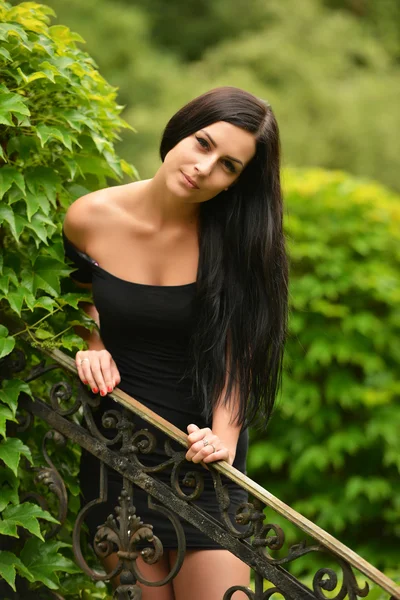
x: 62, y: 392
x: 326, y: 579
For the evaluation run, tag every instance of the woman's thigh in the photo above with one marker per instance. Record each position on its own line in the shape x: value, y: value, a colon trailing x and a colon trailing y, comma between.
x: 207, y: 574
x: 155, y: 572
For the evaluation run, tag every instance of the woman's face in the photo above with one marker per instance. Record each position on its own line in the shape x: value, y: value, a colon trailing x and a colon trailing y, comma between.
x: 202, y: 165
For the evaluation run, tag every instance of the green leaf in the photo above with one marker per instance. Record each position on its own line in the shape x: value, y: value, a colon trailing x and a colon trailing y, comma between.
x: 46, y: 302
x: 10, y: 391
x: 27, y: 279
x: 7, y: 216
x: 14, y: 195
x: 46, y: 274
x: 12, y: 104
x: 44, y: 561
x: 24, y: 515
x: 5, y: 415
x: 10, y: 452
x: 35, y: 202
x: 49, y: 72
x: 43, y: 334
x: 56, y: 250
x: 61, y: 134
x: 8, y: 277
x: 72, y: 341
x: 114, y: 163
x: 6, y: 345
x: 64, y: 35
x: 16, y: 299
x: 5, y: 53
x: 38, y: 225
x: 72, y: 166
x: 73, y: 299
x: 44, y: 179
x: 9, y: 564
x: 76, y: 119
x: 36, y: 75
x: 20, y: 224
x: 129, y: 169
x: 7, y: 496
x: 13, y: 28
x: 24, y: 145
x: 9, y: 484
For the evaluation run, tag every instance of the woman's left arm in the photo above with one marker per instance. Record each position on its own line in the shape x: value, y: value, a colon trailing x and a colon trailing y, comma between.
x: 219, y: 442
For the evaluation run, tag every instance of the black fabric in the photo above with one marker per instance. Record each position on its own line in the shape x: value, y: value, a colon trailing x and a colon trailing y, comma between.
x: 147, y: 331
x: 81, y: 261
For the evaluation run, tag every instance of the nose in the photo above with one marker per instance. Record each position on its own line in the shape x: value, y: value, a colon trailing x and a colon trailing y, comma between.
x: 205, y: 165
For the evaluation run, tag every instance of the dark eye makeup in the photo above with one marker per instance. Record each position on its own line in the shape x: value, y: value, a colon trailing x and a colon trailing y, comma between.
x: 204, y: 144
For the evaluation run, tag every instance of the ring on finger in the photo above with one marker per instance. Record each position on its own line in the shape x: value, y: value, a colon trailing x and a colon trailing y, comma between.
x: 214, y: 448
x: 83, y: 360
x: 205, y: 442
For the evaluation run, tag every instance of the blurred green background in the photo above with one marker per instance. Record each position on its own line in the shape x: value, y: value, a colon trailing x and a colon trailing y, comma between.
x: 329, y: 68
x: 331, y: 71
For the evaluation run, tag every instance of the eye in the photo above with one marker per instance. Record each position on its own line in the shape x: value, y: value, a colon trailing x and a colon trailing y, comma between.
x: 203, y: 143
x: 229, y: 165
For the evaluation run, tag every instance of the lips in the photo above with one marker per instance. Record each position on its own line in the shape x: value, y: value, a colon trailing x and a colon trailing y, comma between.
x: 190, y: 180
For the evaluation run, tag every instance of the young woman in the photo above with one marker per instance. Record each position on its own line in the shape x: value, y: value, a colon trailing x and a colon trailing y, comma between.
x: 189, y: 277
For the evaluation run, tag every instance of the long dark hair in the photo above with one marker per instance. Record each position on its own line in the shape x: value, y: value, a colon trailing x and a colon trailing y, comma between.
x: 242, y: 283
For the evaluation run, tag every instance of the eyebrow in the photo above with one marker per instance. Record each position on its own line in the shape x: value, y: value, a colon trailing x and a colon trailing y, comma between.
x: 215, y: 146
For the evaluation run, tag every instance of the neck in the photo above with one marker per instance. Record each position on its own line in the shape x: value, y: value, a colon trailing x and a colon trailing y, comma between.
x: 165, y: 209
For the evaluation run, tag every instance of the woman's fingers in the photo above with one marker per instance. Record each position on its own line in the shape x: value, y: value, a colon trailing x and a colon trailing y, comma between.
x: 81, y: 374
x: 198, y: 449
x: 106, y: 379
x: 116, y: 377
x: 207, y: 454
x: 191, y: 428
x: 98, y: 370
x: 198, y: 434
x: 95, y: 378
x: 222, y: 454
x: 211, y: 451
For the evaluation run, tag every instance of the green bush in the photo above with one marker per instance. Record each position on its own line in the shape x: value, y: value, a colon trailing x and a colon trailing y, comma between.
x: 58, y: 124
x: 332, y: 450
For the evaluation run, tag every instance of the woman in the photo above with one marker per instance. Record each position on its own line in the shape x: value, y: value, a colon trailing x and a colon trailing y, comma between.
x: 189, y: 277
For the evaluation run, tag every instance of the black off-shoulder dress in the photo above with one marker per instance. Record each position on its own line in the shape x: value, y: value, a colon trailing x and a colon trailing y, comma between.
x: 147, y: 329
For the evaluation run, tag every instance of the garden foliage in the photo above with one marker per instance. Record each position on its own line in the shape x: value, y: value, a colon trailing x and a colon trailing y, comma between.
x: 59, y: 121
x: 330, y: 74
x: 332, y: 449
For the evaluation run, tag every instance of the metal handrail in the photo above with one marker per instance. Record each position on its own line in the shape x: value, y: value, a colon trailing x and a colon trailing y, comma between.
x: 319, y: 534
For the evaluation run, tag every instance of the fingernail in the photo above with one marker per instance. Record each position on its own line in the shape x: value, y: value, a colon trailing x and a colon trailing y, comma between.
x: 109, y: 389
x: 95, y: 390
x: 83, y: 381
x: 103, y: 392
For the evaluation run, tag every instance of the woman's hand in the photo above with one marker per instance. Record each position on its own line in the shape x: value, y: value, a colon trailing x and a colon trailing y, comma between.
x: 97, y: 369
x: 205, y: 446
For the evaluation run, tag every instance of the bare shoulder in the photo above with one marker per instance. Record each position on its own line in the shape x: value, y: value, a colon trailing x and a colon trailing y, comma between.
x: 91, y: 215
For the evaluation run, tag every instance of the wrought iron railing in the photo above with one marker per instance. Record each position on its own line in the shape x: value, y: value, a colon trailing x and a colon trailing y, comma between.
x: 69, y: 413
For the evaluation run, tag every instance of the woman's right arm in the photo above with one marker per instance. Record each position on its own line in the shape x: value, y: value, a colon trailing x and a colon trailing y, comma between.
x: 96, y: 367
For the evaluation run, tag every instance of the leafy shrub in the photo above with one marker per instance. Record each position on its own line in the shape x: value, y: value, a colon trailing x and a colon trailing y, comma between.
x: 332, y: 450
x: 58, y: 124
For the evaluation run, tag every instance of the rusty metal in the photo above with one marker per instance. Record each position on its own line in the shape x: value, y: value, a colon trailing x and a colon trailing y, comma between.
x: 69, y: 411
